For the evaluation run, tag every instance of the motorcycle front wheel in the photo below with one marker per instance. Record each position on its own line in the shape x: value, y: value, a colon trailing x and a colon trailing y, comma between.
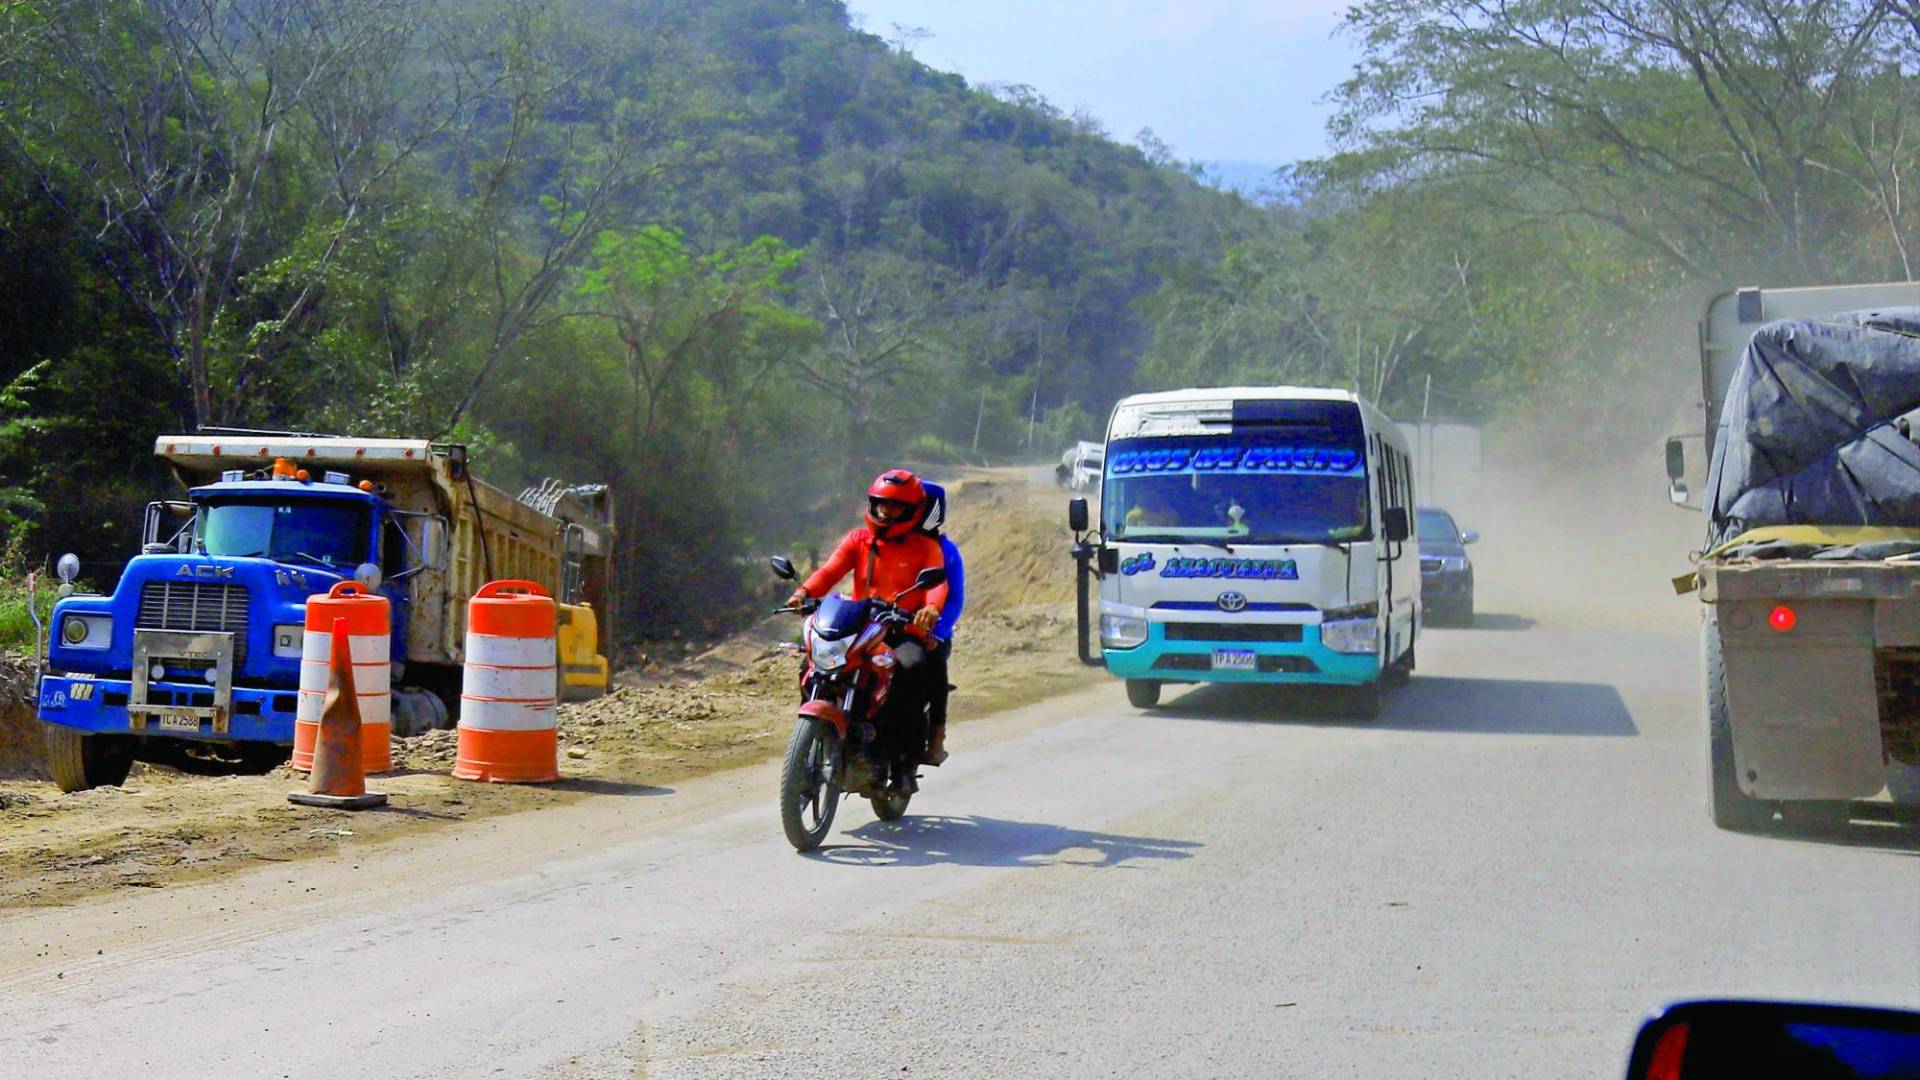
x: 808, y: 797
x: 890, y: 807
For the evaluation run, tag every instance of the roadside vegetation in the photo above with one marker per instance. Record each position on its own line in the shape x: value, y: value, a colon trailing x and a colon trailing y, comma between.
x: 731, y: 255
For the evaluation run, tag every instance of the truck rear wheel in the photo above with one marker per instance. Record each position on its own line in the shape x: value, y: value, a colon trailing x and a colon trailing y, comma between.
x: 1143, y: 693
x: 79, y: 762
x: 1731, y: 808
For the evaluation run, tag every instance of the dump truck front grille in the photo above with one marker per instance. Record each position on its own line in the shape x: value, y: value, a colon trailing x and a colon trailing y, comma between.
x: 197, y: 605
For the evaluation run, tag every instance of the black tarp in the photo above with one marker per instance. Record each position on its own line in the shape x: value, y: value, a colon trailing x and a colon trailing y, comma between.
x: 1814, y: 429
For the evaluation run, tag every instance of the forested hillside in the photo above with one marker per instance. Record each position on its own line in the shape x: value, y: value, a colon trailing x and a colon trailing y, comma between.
x: 726, y: 255
x: 730, y: 255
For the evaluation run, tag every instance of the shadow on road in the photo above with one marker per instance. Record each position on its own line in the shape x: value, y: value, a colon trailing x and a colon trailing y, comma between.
x: 1463, y: 706
x: 607, y: 787
x: 1874, y: 825
x: 985, y: 841
x: 1489, y: 620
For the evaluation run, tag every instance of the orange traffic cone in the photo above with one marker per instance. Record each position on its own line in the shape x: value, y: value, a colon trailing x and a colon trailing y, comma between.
x: 339, y: 780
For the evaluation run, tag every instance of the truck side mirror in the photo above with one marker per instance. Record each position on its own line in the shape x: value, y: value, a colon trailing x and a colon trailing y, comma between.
x: 1077, y: 515
x: 782, y: 567
x: 1394, y: 521
x: 1676, y: 460
x: 433, y: 544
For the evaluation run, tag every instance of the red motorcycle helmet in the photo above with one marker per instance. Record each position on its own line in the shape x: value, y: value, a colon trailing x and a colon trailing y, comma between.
x: 895, y: 502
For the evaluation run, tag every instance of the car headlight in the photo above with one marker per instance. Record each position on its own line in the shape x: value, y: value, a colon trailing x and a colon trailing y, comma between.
x: 1453, y: 564
x: 830, y: 654
x: 87, y: 631
x: 289, y: 640
x: 1122, y: 631
x: 1351, y: 635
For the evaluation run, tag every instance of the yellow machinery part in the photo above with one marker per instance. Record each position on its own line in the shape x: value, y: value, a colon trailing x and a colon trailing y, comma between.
x: 583, y: 671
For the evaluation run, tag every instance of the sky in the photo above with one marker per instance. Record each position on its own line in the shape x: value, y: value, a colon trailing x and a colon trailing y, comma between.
x: 1233, y: 81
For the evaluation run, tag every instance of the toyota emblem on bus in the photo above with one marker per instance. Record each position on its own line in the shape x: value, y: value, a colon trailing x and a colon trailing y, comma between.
x: 1231, y: 602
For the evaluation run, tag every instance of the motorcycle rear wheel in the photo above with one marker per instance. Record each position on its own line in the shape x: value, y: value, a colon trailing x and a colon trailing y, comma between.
x: 808, y: 796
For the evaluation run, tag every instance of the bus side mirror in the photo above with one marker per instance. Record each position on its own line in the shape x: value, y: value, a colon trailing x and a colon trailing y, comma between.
x: 1394, y: 520
x: 1676, y: 461
x: 1077, y: 515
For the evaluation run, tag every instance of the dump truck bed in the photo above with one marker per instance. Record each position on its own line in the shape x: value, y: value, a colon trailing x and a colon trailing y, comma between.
x: 1821, y: 664
x: 488, y: 534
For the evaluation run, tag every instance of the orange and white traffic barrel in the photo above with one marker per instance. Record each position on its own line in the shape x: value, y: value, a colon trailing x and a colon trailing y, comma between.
x: 507, y: 702
x: 369, y: 620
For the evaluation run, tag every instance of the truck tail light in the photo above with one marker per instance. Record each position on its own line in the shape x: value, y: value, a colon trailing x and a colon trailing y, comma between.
x: 1782, y: 618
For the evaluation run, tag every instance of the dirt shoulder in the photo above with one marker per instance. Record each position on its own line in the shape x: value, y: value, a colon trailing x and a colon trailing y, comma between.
x: 731, y: 707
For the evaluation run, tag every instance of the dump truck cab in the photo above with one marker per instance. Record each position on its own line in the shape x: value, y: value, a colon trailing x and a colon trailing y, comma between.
x: 194, y: 659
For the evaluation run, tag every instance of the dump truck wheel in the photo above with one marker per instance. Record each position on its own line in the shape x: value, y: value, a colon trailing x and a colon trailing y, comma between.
x: 1731, y: 808
x: 1143, y: 693
x: 79, y: 762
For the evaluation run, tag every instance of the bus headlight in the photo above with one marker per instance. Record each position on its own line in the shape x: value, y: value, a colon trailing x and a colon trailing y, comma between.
x: 1122, y: 631
x: 1351, y: 635
x: 87, y: 631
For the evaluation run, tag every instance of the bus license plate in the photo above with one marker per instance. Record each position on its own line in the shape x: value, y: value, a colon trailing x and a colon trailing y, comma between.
x: 1233, y: 660
x: 170, y: 721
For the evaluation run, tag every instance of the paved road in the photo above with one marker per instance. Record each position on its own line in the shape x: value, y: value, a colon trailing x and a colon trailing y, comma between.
x: 1497, y: 878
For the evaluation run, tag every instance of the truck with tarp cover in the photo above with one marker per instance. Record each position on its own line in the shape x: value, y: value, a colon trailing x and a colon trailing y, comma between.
x: 194, y: 659
x: 1810, y: 569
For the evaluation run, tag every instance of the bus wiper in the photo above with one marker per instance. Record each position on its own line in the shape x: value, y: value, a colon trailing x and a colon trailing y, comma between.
x: 1159, y: 538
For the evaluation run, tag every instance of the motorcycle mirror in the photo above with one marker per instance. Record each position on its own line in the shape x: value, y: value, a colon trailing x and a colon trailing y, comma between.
x: 1696, y: 1040
x: 930, y: 578
x: 782, y: 567
x: 1077, y: 515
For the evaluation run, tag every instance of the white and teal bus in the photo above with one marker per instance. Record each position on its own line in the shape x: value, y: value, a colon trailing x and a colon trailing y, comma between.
x: 1253, y: 534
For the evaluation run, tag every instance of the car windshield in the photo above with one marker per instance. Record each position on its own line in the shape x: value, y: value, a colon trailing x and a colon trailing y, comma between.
x: 1436, y: 525
x: 328, y: 533
x: 1300, y: 486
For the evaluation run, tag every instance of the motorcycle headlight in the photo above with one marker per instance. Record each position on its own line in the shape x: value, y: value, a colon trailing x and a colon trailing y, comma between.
x: 87, y: 631
x: 1122, y: 631
x: 1351, y: 635
x: 830, y: 654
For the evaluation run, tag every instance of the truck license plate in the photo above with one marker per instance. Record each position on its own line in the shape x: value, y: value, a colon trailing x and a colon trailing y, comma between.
x: 1233, y: 660
x: 175, y: 721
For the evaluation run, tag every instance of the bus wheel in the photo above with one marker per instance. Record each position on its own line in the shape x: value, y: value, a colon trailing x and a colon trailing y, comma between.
x: 1363, y: 701
x: 1143, y: 693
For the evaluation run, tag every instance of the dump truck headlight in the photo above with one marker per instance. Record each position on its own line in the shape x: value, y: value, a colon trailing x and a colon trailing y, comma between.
x: 87, y: 631
x: 289, y: 640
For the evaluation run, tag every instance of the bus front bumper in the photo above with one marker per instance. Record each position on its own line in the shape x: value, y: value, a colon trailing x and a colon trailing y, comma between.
x: 1308, y: 661
x: 99, y: 707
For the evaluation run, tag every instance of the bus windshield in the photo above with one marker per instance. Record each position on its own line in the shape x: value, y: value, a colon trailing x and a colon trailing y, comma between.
x: 1261, y: 488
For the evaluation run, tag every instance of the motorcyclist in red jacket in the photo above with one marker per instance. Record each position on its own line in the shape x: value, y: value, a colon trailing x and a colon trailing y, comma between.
x: 885, y: 556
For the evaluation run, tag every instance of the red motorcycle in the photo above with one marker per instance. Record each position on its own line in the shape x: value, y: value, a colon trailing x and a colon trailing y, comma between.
x: 852, y: 735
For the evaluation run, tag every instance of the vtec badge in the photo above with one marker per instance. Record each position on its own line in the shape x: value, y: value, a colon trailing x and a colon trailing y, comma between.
x: 1231, y: 602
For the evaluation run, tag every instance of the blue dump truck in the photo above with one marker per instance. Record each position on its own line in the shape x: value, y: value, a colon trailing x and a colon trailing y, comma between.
x: 194, y: 660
